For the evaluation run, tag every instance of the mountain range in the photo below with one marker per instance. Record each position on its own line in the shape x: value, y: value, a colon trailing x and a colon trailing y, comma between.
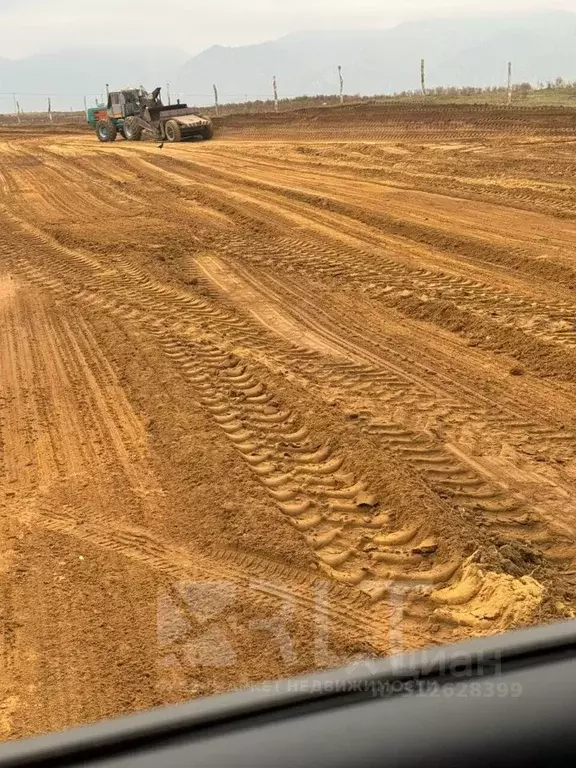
x: 69, y: 75
x: 458, y: 51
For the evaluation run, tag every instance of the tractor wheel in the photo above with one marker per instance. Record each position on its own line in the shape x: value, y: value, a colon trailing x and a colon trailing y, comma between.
x: 106, y: 130
x: 173, y: 131
x: 132, y: 129
x: 208, y: 132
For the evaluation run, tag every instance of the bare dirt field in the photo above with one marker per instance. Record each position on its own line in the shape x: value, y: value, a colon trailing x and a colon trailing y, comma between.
x: 281, y: 400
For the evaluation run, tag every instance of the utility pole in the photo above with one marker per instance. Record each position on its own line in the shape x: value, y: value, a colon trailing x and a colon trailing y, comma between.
x: 215, y: 99
x: 85, y: 106
x: 168, y: 92
x: 50, y: 109
x: 341, y: 84
x: 509, y: 83
x: 423, y: 76
x: 275, y: 87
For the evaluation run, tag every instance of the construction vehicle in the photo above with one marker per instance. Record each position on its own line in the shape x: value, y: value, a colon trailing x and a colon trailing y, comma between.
x: 134, y: 113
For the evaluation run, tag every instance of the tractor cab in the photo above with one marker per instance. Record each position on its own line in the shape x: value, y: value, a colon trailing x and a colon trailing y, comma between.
x: 122, y: 104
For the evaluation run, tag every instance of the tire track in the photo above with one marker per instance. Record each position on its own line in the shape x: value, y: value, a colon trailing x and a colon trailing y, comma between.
x: 370, y: 377
x: 157, y: 429
x: 352, y: 547
x: 299, y: 475
x: 378, y: 428
x: 551, y: 322
x: 345, y: 162
x: 263, y: 580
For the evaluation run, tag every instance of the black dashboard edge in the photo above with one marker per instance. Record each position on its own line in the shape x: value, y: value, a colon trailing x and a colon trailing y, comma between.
x: 483, y: 656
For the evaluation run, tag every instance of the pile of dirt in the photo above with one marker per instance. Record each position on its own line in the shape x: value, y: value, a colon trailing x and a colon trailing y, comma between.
x: 484, y: 599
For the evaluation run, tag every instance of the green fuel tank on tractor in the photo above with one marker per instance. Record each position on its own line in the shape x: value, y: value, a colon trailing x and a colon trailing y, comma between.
x: 100, y: 117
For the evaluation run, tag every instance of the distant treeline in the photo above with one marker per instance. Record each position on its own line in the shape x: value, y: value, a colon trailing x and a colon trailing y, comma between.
x: 557, y: 92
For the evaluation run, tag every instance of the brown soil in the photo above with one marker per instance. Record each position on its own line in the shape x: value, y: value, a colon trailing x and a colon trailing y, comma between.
x: 253, y: 390
x: 437, y: 122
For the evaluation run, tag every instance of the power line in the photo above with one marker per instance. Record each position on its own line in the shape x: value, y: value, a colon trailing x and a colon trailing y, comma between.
x: 52, y: 93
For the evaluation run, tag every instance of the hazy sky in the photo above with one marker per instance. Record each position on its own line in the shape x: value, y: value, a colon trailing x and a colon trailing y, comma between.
x: 28, y: 26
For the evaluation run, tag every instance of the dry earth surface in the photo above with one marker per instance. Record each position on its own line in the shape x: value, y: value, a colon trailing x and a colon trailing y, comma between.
x: 299, y: 395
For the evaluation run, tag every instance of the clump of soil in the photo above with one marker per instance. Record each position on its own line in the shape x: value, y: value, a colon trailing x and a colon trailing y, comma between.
x: 511, y: 557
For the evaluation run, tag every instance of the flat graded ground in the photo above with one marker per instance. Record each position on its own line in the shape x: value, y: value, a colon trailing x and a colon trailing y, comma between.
x: 280, y: 400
